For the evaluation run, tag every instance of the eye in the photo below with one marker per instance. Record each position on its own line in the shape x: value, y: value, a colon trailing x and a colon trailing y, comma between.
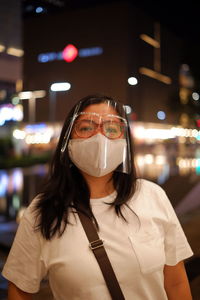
x: 112, y: 129
x: 84, y: 125
x: 84, y: 128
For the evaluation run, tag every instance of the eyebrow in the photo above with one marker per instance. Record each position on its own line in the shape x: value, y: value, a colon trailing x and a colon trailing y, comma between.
x: 83, y: 113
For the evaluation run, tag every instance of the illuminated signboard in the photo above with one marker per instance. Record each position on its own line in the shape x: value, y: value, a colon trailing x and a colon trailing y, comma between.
x: 9, y: 112
x: 69, y: 54
x: 34, y: 134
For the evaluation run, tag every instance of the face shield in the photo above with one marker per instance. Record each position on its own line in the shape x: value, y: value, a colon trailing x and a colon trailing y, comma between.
x: 97, y: 138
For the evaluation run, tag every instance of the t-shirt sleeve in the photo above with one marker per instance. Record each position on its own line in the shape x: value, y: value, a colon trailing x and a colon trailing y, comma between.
x: 24, y: 266
x: 177, y: 247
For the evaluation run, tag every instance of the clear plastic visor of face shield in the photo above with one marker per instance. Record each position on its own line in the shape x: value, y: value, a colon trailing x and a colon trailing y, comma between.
x: 107, y: 133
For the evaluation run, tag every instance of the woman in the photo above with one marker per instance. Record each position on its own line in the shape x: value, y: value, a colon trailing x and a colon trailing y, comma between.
x: 93, y: 171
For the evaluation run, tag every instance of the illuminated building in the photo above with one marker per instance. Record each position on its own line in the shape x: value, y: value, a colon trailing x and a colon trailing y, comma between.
x: 96, y: 50
x: 10, y: 50
x: 11, y: 54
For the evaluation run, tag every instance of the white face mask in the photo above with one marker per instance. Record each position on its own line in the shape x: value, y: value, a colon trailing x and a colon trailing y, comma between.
x: 97, y: 155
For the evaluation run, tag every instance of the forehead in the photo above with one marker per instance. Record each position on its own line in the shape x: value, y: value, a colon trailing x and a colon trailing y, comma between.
x: 101, y: 108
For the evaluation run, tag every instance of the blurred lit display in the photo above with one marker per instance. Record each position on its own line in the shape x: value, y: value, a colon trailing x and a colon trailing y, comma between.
x: 42, y: 133
x: 150, y: 134
x: 12, y: 51
x: 11, y: 186
x: 10, y: 183
x: 34, y: 134
x: 3, y: 182
x: 9, y: 112
x: 2, y: 48
x: 15, y: 52
x: 198, y: 166
x: 69, y: 54
x: 17, y: 188
x: 31, y: 94
x: 159, y: 166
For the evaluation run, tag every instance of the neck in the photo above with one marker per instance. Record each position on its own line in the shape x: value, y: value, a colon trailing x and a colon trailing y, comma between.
x: 99, y: 186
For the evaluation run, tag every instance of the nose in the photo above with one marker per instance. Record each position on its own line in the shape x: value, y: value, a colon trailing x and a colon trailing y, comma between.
x: 98, y: 129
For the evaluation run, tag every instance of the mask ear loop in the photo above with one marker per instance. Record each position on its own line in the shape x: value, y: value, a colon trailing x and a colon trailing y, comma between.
x: 68, y: 132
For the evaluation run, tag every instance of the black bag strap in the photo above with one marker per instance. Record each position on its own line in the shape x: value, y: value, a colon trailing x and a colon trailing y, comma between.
x: 96, y: 245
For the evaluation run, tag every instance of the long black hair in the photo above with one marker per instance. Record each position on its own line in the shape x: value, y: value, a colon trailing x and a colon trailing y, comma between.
x: 66, y: 188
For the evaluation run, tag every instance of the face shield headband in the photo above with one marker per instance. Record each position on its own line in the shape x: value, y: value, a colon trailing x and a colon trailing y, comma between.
x: 103, y: 137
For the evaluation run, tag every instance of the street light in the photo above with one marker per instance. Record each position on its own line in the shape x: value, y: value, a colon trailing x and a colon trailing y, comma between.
x: 56, y: 87
x: 31, y: 96
x: 60, y: 86
x: 132, y: 80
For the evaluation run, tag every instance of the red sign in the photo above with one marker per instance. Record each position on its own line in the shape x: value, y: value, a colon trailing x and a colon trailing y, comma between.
x: 70, y: 53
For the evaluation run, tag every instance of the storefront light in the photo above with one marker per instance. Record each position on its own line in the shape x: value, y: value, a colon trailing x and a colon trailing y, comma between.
x: 15, y: 52
x: 148, y: 158
x: 195, y: 133
x: 19, y: 134
x: 25, y: 95
x: 160, y: 160
x: 140, y: 160
x: 2, y: 48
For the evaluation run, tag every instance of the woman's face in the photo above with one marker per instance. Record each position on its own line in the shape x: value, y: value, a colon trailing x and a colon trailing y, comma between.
x: 101, y: 109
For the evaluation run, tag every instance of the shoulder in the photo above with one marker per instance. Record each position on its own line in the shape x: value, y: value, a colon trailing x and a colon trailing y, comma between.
x: 30, y: 212
x: 145, y: 186
x: 149, y: 196
x: 26, y: 230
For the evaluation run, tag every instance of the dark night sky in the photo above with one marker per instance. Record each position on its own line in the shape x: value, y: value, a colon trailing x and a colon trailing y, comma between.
x: 180, y: 17
x: 183, y: 19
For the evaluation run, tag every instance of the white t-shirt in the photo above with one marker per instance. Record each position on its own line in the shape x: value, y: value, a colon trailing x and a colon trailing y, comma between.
x: 138, y: 250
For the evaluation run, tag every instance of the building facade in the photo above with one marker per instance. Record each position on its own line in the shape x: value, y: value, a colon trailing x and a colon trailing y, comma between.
x: 110, y: 43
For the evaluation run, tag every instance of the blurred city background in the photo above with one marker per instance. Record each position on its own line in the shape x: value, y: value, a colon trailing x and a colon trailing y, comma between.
x: 145, y: 54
